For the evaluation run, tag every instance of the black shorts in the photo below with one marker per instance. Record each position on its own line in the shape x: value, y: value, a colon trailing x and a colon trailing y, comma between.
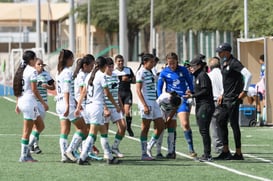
x: 126, y: 97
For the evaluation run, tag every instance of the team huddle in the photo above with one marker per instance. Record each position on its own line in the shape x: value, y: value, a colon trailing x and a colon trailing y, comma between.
x: 96, y: 94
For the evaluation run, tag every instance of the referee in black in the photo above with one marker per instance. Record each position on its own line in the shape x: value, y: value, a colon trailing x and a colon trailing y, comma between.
x: 204, y: 103
x: 236, y: 80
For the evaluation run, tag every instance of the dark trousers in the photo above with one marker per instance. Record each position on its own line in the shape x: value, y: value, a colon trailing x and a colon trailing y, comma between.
x: 203, y: 113
x: 230, y: 112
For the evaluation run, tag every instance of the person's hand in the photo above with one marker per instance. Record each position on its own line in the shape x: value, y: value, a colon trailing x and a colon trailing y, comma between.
x: 118, y: 108
x: 220, y: 100
x: 242, y: 95
x: 77, y: 112
x: 146, y: 109
x: 187, y: 94
x: 17, y: 110
x: 66, y: 113
x: 106, y: 112
x: 45, y: 106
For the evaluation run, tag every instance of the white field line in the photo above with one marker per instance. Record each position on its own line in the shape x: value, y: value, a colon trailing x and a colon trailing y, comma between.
x: 186, y: 156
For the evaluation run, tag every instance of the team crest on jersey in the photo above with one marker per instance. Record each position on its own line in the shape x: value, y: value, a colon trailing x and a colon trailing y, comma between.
x: 176, y: 82
x: 169, y: 75
x: 197, y: 81
x: 181, y: 74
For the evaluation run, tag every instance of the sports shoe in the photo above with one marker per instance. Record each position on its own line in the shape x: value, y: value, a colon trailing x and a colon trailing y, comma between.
x: 193, y: 154
x: 113, y: 161
x: 117, y: 152
x: 205, y: 158
x: 94, y: 156
x: 236, y: 156
x: 35, y: 150
x: 146, y: 157
x: 224, y: 156
x: 171, y: 155
x: 95, y: 150
x: 83, y: 162
x: 27, y: 159
x: 159, y: 156
x: 66, y: 160
x: 70, y: 156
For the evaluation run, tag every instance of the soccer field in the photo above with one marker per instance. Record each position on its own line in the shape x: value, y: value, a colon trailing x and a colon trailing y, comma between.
x: 257, y: 146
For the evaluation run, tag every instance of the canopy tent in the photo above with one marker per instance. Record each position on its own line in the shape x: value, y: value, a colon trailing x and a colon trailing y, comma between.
x: 249, y: 51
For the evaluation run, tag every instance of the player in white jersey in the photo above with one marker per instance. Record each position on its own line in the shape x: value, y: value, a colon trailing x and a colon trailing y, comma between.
x: 149, y: 109
x: 25, y: 90
x: 44, y: 82
x: 83, y: 68
x: 65, y: 107
x: 95, y: 89
x: 110, y: 112
x: 168, y: 103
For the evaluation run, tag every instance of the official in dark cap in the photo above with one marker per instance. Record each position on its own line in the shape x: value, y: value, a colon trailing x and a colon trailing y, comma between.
x: 236, y: 80
x: 204, y: 103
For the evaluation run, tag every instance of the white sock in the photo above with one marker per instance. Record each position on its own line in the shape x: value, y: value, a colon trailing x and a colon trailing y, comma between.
x: 116, y: 143
x: 63, y: 145
x: 151, y: 143
x: 159, y: 143
x: 24, y: 150
x: 86, y: 147
x: 170, y: 142
x: 32, y: 140
x: 144, y: 147
x: 106, y: 147
x: 76, y: 140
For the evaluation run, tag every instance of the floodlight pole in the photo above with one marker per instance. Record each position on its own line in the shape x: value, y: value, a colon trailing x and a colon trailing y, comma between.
x: 72, y: 27
x: 245, y: 19
x: 38, y: 24
x: 123, y: 44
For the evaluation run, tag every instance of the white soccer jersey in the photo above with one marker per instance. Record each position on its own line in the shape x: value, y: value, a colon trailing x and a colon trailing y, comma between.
x: 43, y: 78
x: 29, y: 75
x: 146, y: 77
x: 78, y: 83
x: 113, y: 85
x: 95, y: 93
x: 65, y: 85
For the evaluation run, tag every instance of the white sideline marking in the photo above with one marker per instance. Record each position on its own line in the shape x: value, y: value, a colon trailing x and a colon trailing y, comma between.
x: 184, y: 155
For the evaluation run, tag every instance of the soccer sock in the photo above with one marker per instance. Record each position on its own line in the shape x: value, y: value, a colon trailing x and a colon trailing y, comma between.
x: 258, y: 116
x: 171, y: 144
x: 143, y: 143
x: 24, y: 147
x: 188, y: 137
x: 63, y: 143
x: 34, y: 136
x: 117, y: 141
x: 88, y: 144
x: 153, y: 141
x: 264, y: 114
x: 159, y: 143
x: 75, y: 142
x: 106, y: 147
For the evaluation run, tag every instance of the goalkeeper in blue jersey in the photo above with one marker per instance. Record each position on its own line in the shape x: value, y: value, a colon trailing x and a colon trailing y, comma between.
x: 177, y: 78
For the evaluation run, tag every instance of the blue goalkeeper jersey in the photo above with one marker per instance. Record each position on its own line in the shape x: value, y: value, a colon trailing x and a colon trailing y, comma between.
x: 178, y: 80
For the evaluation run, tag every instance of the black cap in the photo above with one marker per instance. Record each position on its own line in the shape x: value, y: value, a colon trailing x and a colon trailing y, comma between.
x: 196, y: 61
x: 223, y: 47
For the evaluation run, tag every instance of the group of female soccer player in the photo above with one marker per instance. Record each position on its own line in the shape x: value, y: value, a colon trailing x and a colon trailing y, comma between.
x: 95, y: 94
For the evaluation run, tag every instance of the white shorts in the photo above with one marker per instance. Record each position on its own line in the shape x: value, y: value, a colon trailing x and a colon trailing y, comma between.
x: 41, y: 110
x: 95, y: 113
x: 28, y: 106
x: 154, y: 108
x: 84, y: 114
x: 165, y: 115
x: 114, y: 116
x: 60, y: 109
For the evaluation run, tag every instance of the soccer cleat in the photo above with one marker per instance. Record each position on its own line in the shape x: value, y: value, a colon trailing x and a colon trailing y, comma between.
x: 171, y: 156
x: 146, y: 157
x: 35, y: 150
x: 95, y: 150
x: 117, y: 152
x: 205, y: 158
x: 83, y: 162
x: 193, y: 154
x: 94, y: 156
x: 70, y: 156
x: 224, y: 156
x: 159, y: 156
x: 236, y: 156
x: 27, y: 159
x: 66, y: 160
x: 113, y: 161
